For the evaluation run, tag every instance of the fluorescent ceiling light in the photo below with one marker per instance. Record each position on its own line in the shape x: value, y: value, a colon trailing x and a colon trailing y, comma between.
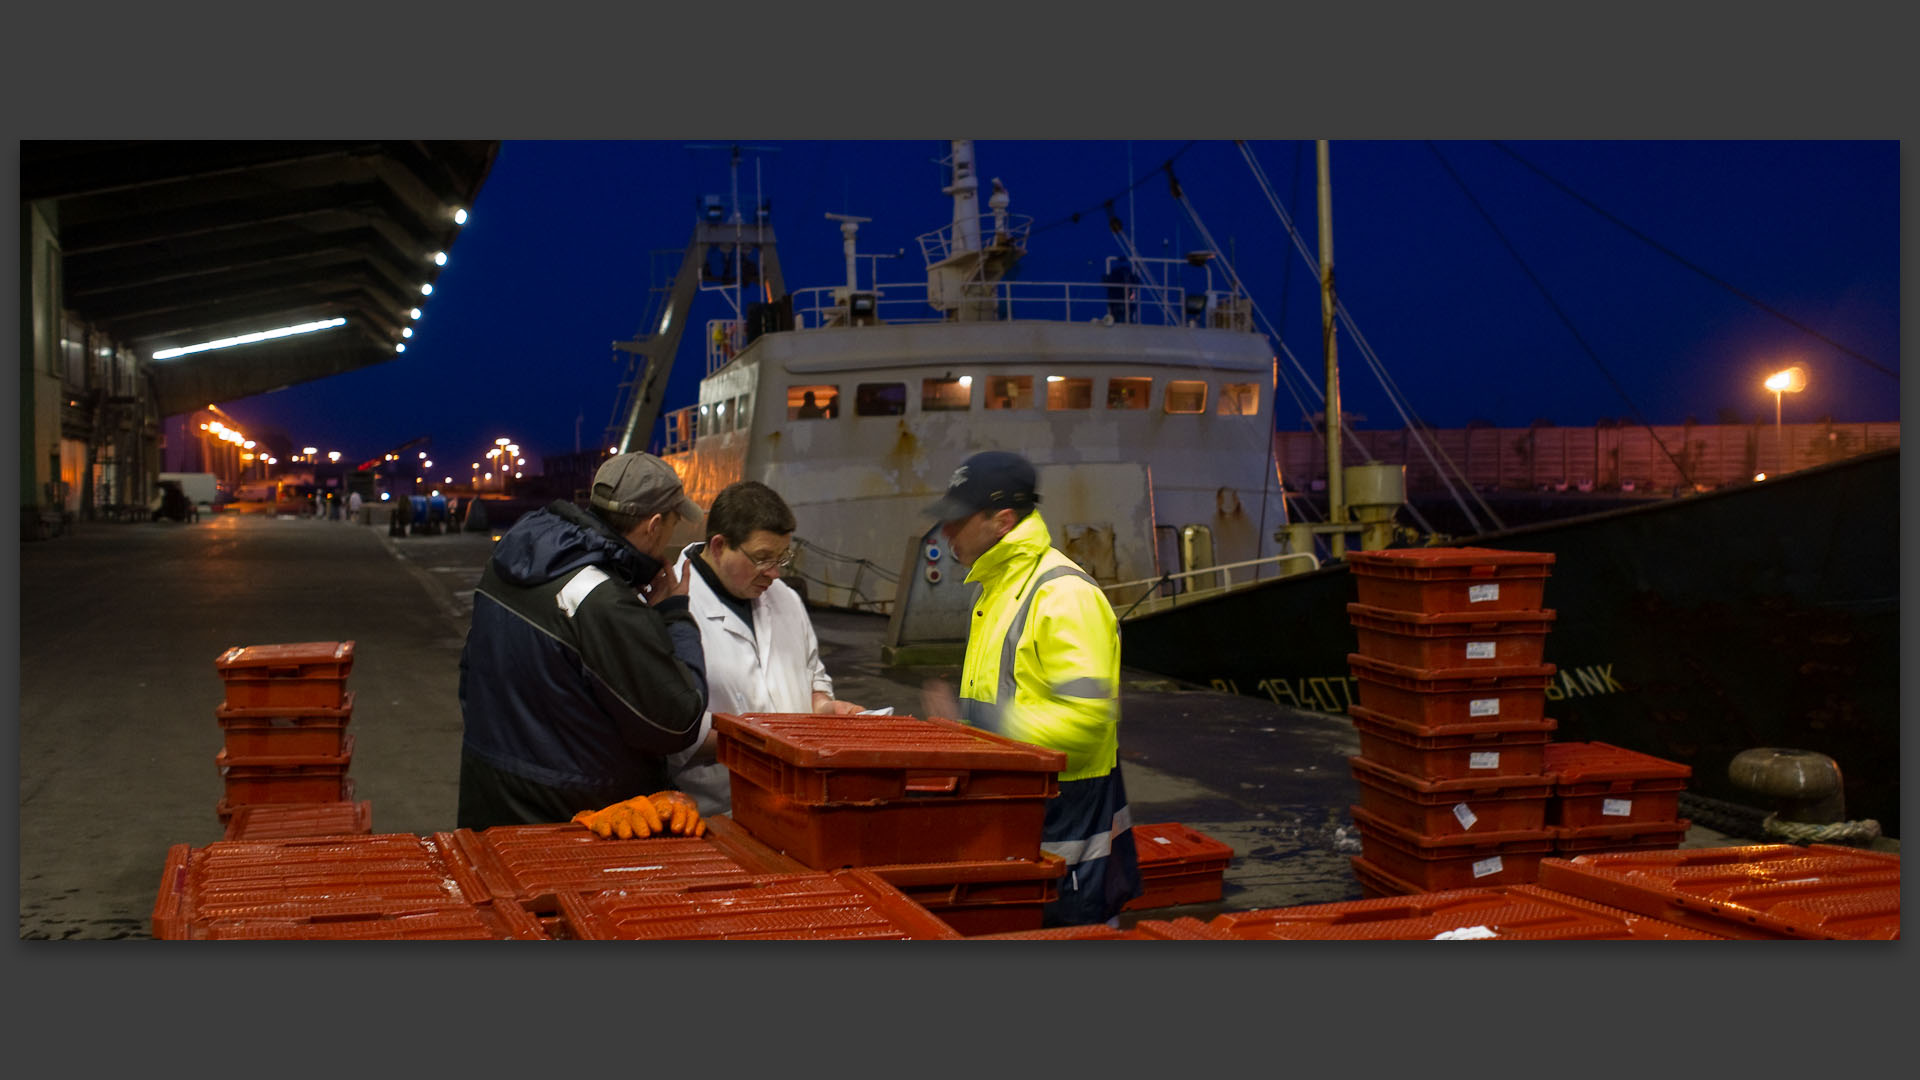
x: 248, y: 339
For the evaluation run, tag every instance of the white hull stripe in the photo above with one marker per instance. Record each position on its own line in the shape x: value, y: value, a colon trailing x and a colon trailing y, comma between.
x: 575, y: 593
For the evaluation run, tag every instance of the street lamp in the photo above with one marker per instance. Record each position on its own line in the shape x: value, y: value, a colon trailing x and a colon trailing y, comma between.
x: 1790, y: 381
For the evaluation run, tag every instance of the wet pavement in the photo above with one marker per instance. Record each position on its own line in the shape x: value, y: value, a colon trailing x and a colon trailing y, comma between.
x: 120, y: 625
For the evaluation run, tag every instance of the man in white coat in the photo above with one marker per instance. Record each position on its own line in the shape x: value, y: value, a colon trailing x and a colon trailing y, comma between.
x: 762, y: 655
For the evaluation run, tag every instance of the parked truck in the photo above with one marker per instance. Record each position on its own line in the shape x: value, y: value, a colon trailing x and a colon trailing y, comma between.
x: 201, y: 487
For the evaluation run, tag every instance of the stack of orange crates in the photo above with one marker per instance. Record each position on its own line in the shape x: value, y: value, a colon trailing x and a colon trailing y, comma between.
x: 1606, y: 798
x: 948, y: 814
x: 1452, y: 718
x: 1178, y: 865
x: 286, y: 745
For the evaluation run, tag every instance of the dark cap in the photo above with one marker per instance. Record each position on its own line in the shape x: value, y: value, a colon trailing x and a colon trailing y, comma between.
x: 641, y: 485
x: 989, y: 480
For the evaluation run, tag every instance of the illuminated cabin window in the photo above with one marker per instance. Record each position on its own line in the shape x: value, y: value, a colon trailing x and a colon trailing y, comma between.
x: 706, y: 420
x: 1186, y: 396
x: 813, y: 402
x: 1128, y: 393
x: 1066, y: 393
x: 722, y: 416
x: 1239, y: 399
x: 880, y: 399
x: 946, y: 395
x: 743, y: 412
x: 1010, y: 392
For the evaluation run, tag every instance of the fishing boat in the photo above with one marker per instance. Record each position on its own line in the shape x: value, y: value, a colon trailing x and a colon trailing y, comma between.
x: 1143, y: 399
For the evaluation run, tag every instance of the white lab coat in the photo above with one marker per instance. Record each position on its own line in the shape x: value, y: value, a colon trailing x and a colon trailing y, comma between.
x: 775, y: 667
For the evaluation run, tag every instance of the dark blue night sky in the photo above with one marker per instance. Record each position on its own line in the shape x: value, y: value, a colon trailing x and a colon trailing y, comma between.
x: 554, y: 266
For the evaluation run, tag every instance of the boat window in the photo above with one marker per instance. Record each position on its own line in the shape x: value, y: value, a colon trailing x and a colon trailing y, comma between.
x: 946, y: 395
x: 1010, y: 392
x: 1128, y: 393
x: 880, y: 399
x: 722, y: 417
x: 1066, y: 393
x: 706, y: 420
x: 1186, y: 396
x: 812, y: 402
x: 1239, y: 399
x: 743, y: 411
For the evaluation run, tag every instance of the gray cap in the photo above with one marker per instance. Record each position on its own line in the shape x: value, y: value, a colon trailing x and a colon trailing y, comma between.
x: 642, y: 485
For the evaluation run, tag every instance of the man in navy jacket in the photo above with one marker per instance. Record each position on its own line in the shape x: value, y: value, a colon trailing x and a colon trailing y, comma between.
x: 583, y: 669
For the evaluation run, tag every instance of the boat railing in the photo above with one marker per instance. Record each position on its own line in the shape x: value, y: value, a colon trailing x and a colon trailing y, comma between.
x: 724, y: 338
x: 865, y: 573
x: 1146, y: 596
x: 1049, y: 301
x: 938, y: 246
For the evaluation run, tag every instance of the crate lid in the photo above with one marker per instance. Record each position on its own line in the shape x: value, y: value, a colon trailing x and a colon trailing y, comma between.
x: 1581, y: 762
x: 227, y: 714
x: 1482, y: 675
x: 1501, y: 787
x: 1171, y: 841
x: 1532, y: 620
x: 883, y: 742
x: 283, y: 821
x: 1394, y: 726
x: 1449, y: 557
x: 307, y: 652
x: 1819, y: 891
x: 843, y: 905
x: 526, y: 861
x: 1512, y: 841
x: 744, y: 848
x: 1499, y: 913
x: 1626, y: 832
x: 1047, y: 867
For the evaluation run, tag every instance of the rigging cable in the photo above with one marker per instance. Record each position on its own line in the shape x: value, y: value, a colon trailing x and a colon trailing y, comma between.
x: 1074, y: 218
x: 1564, y: 318
x: 1394, y: 396
x: 1683, y: 261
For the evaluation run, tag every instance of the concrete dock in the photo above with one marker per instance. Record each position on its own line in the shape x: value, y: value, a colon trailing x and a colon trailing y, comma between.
x: 121, y: 624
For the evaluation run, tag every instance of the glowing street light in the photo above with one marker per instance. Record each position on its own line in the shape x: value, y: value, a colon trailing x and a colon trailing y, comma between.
x: 333, y: 456
x: 1790, y: 381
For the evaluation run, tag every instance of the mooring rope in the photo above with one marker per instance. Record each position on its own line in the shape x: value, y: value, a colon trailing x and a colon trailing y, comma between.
x: 1840, y: 832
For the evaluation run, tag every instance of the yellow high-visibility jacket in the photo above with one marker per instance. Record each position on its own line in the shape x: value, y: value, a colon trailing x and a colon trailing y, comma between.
x: 1043, y: 653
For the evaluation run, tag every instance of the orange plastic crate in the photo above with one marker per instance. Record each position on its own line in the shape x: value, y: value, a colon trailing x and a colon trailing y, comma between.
x: 1501, y: 913
x: 839, y: 791
x: 841, y: 906
x: 285, y: 821
x: 1599, y: 784
x: 225, y: 810
x: 1511, y: 748
x: 1452, y: 699
x: 1452, y: 862
x: 1451, y: 639
x: 1468, y: 806
x: 300, y: 733
x: 1430, y: 581
x: 295, y: 676
x: 285, y: 780
x: 1758, y: 891
x: 1634, y: 836
x: 1178, y: 865
x: 1377, y: 882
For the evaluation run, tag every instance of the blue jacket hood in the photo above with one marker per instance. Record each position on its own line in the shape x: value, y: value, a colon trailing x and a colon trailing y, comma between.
x: 562, y: 538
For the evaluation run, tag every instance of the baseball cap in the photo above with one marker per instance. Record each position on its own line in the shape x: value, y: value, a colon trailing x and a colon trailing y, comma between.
x: 641, y: 485
x: 989, y: 480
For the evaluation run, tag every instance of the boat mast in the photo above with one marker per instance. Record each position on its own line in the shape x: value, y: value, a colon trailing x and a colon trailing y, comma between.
x: 1336, y: 499
x: 966, y: 199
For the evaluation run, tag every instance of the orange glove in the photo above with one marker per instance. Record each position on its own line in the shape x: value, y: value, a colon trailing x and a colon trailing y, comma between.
x: 680, y: 813
x: 634, y: 819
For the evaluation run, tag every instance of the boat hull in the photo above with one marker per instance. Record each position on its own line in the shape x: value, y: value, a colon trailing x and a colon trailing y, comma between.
x: 1692, y: 629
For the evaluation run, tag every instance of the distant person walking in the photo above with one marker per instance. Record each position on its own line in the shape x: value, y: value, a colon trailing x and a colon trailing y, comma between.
x: 353, y: 508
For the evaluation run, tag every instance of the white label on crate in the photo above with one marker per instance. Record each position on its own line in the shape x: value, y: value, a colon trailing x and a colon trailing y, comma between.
x: 1480, y: 650
x: 1486, y: 706
x: 1480, y: 593
x: 1466, y: 933
x: 1616, y: 807
x: 1162, y: 840
x: 1483, y: 759
x: 1464, y: 815
x: 1488, y: 866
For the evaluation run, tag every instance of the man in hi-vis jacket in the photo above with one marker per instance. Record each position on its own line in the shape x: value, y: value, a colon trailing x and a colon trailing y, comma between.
x: 1043, y: 667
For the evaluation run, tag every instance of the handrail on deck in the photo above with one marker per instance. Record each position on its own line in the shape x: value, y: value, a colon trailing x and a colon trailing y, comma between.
x: 1226, y: 584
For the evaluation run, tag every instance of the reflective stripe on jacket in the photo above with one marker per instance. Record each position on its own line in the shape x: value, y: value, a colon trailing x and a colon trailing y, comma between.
x: 1043, y: 653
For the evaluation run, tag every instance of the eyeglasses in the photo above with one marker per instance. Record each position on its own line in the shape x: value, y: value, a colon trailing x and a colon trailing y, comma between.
x: 763, y: 564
